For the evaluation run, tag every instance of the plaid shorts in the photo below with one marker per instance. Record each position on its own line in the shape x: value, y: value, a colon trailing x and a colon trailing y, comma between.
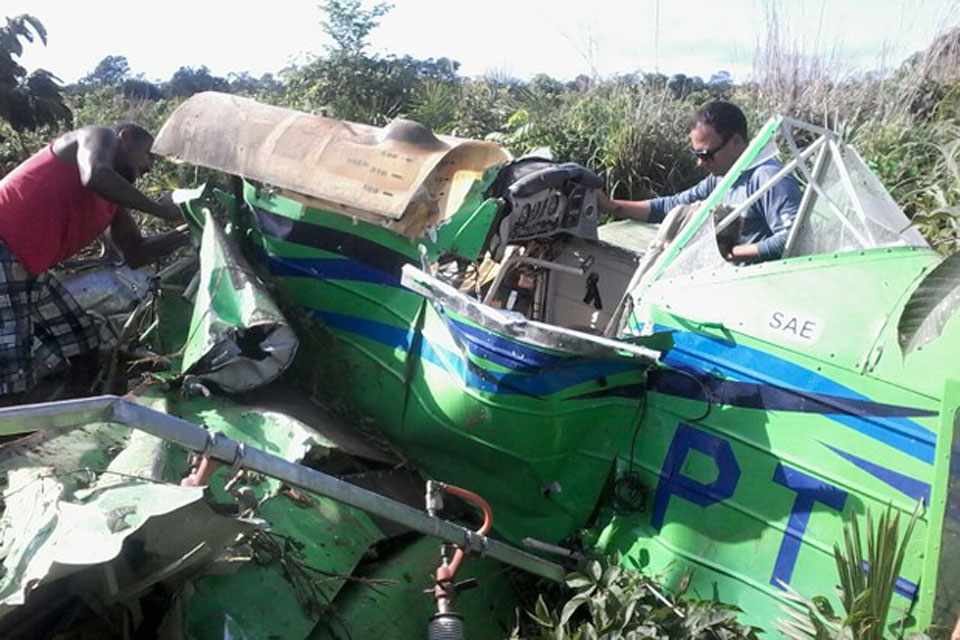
x: 41, y: 325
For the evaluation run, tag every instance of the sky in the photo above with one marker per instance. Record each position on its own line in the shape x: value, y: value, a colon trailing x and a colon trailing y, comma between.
x: 517, y: 38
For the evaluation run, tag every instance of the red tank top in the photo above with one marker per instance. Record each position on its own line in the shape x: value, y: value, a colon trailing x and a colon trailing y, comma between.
x: 46, y: 214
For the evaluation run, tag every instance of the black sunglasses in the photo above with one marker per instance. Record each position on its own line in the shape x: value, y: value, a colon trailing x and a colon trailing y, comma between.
x: 705, y: 155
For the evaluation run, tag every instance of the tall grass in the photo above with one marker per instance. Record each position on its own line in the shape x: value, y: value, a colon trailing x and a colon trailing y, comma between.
x: 904, y: 122
x: 635, y: 137
x: 816, y: 83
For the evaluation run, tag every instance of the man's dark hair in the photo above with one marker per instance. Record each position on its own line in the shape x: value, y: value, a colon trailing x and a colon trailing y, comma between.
x: 137, y: 134
x: 726, y: 119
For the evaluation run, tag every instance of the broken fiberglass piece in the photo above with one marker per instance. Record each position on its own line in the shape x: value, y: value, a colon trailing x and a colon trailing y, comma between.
x: 305, y: 557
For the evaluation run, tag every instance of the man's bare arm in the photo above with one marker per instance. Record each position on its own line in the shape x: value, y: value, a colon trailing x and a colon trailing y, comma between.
x: 743, y: 252
x: 96, y: 147
x: 633, y: 209
x: 139, y: 250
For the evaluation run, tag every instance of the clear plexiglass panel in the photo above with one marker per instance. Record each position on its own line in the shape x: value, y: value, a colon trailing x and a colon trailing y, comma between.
x: 849, y: 210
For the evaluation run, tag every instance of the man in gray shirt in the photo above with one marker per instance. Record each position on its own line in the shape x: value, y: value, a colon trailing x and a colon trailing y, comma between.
x: 718, y: 137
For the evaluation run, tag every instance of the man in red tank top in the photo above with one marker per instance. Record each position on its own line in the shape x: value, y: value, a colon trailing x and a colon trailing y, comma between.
x: 52, y: 206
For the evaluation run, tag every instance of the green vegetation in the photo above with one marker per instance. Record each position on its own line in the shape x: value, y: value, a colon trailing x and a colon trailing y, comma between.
x: 604, y: 600
x: 27, y: 101
x: 631, y: 129
x: 868, y: 573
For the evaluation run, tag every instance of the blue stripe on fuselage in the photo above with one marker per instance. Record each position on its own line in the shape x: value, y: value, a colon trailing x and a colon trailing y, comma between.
x: 691, y: 351
x: 906, y: 485
x: 523, y: 358
x: 536, y: 383
x: 719, y: 358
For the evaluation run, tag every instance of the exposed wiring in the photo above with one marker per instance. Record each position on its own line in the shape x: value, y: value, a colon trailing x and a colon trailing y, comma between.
x: 629, y: 491
x: 707, y: 396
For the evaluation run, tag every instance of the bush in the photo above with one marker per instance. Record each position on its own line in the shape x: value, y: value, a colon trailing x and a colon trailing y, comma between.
x: 868, y: 575
x: 633, y: 136
x: 607, y: 601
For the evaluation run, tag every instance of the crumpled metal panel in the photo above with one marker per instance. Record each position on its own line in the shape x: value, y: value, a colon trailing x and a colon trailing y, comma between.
x: 238, y: 338
x: 56, y: 525
x: 108, y: 290
x: 347, y: 167
x: 325, y: 539
x: 46, y: 536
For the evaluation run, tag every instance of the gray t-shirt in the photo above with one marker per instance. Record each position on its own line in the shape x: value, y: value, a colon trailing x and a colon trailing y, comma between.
x: 768, y: 220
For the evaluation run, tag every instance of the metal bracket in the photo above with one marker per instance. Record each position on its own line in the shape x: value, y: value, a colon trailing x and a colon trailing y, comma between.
x: 238, y: 459
x: 434, y: 498
x: 472, y: 541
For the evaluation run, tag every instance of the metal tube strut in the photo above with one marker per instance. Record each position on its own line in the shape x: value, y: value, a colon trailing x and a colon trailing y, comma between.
x: 74, y: 413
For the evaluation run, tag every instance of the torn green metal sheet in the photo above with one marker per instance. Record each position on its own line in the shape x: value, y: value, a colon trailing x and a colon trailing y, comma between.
x: 319, y: 539
x: 173, y: 328
x: 270, y: 431
x: 219, y: 448
x: 465, y: 234
x: 189, y: 202
x: 312, y: 547
x: 238, y: 337
x: 322, y: 542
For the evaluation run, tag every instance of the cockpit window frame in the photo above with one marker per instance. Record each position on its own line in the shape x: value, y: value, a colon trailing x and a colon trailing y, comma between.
x: 826, y: 150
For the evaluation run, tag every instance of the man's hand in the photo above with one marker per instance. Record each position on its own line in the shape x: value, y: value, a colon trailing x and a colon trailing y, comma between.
x: 604, y: 202
x: 620, y: 209
x: 743, y: 252
x: 167, y: 210
x: 138, y: 250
